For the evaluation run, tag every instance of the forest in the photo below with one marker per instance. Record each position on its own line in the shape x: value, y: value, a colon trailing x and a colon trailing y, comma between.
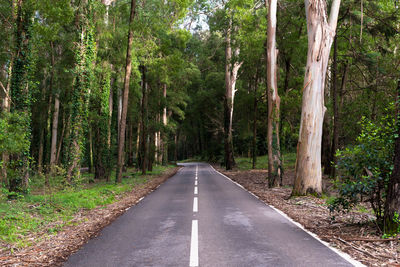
x: 99, y: 94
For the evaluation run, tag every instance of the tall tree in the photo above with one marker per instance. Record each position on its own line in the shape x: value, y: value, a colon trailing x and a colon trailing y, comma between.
x: 321, y: 31
x: 20, y: 91
x: 128, y: 71
x: 232, y: 67
x: 274, y: 101
x: 392, y: 204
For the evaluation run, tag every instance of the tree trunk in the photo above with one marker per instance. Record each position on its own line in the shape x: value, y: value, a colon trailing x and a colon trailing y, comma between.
x: 53, y: 149
x: 54, y: 130
x: 164, y: 141
x: 392, y: 204
x: 308, y: 178
x: 110, y: 108
x: 64, y: 126
x: 90, y: 137
x: 20, y: 95
x: 330, y: 167
x: 230, y: 90
x: 128, y: 70
x: 176, y: 147
x: 143, y: 153
x: 274, y: 101
x: 254, y: 150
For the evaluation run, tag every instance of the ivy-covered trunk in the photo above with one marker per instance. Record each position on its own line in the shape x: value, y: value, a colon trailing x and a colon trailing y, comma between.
x: 18, y: 165
x: 84, y: 76
x: 392, y: 205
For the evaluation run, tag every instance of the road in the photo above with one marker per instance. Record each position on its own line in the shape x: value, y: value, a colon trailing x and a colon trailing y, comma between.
x: 200, y: 218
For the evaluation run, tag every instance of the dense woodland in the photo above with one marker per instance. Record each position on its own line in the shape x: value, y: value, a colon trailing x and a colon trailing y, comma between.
x: 109, y: 85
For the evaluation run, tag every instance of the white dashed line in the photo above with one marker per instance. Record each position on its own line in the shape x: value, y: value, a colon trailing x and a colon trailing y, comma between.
x: 195, y: 205
x: 195, y: 190
x: 195, y: 182
x: 194, y: 245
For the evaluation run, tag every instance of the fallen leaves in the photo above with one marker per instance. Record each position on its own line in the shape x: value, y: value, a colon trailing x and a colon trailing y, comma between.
x: 53, y: 250
x: 353, y: 233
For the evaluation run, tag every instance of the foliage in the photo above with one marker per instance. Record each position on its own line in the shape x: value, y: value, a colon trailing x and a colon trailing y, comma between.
x: 53, y: 209
x: 364, y: 169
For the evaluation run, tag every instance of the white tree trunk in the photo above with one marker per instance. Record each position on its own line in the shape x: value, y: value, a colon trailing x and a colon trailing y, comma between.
x: 164, y: 140
x: 321, y: 32
x: 274, y: 155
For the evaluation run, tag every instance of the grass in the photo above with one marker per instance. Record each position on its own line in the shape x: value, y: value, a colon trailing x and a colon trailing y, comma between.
x: 243, y: 163
x: 34, y: 212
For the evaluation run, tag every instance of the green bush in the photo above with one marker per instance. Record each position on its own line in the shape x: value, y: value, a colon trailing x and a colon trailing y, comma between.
x: 364, y: 169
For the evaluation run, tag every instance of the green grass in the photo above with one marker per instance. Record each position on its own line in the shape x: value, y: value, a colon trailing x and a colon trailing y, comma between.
x: 34, y: 212
x: 289, y: 160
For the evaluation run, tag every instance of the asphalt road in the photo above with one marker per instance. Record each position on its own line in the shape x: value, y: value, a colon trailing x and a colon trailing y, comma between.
x: 200, y: 218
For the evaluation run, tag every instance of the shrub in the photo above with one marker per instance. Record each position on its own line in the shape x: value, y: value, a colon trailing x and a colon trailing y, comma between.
x: 364, y: 169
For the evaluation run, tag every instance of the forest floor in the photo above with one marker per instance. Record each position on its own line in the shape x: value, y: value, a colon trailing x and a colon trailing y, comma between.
x: 50, y: 244
x: 353, y: 233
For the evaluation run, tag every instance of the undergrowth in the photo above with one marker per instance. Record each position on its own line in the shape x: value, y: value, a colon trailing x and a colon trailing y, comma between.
x: 50, y: 209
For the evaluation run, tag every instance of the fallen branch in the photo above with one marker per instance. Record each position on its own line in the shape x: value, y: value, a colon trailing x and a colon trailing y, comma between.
x: 356, y: 248
x: 371, y: 239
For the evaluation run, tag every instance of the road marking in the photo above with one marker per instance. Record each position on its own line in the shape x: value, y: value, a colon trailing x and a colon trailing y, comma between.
x: 195, y: 182
x: 195, y: 205
x: 195, y: 190
x: 194, y: 245
x: 344, y: 255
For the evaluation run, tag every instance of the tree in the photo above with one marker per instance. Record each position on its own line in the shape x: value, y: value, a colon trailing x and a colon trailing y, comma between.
x: 392, y: 203
x: 320, y: 31
x: 274, y: 101
x: 232, y: 67
x: 128, y: 71
x: 21, y: 92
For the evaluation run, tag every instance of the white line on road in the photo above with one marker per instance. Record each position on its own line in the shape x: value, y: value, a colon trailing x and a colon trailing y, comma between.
x: 340, y: 253
x: 195, y: 190
x: 194, y: 245
x: 195, y: 182
x: 195, y: 205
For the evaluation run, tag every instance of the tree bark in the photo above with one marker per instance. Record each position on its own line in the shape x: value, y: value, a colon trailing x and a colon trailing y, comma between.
x: 331, y: 170
x: 392, y: 204
x: 231, y: 71
x: 254, y: 150
x: 308, y: 178
x: 274, y: 153
x: 143, y: 150
x: 128, y: 70
x: 164, y: 141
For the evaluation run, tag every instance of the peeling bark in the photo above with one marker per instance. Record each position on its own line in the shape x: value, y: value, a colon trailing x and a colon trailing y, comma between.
x: 274, y: 153
x: 308, y: 178
x: 231, y: 72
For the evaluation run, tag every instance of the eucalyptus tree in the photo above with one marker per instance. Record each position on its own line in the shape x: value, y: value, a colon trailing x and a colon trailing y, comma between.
x: 274, y: 101
x: 321, y: 31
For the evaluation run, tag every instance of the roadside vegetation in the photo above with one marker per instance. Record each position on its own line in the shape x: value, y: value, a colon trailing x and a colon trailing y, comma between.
x: 49, y: 209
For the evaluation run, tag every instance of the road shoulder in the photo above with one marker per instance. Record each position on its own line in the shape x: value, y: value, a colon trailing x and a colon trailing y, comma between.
x: 350, y: 233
